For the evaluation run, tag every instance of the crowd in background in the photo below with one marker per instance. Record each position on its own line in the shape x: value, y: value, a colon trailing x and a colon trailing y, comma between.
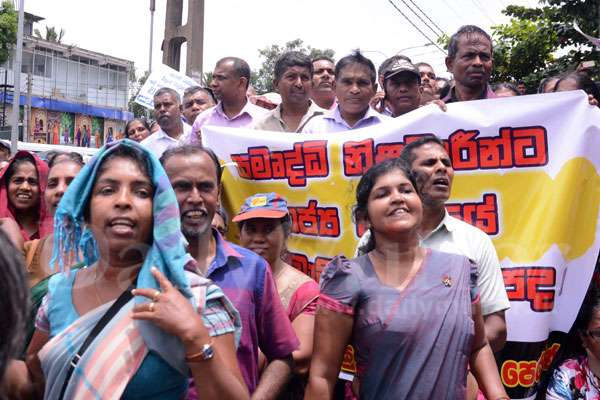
x: 118, y: 281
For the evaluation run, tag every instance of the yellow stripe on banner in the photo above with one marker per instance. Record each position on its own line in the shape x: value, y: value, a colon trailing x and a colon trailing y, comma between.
x: 537, y: 211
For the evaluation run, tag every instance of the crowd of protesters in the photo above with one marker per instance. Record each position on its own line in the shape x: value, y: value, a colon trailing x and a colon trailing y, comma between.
x: 117, y: 280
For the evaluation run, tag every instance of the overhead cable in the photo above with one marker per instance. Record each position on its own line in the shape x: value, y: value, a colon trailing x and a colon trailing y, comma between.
x: 429, y: 18
x: 416, y: 27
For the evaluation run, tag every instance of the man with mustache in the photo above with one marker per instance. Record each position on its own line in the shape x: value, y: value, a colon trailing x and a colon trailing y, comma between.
x: 167, y: 112
x: 323, y: 76
x: 379, y: 102
x: 245, y: 277
x: 470, y: 61
x: 402, y: 86
x: 427, y: 78
x: 355, y: 85
x: 293, y: 72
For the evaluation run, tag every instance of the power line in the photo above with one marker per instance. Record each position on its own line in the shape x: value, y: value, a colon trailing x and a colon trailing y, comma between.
x: 454, y: 11
x: 427, y: 16
x: 416, y: 27
x: 423, y: 54
x: 483, y: 11
x: 422, y: 20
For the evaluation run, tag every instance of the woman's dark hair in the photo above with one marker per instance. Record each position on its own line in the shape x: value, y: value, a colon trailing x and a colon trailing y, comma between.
x: 14, y: 302
x: 12, y: 168
x: 365, y: 186
x: 544, y: 82
x: 582, y: 81
x: 590, y: 305
x: 140, y: 120
x: 57, y: 157
x: 507, y: 86
x: 133, y: 153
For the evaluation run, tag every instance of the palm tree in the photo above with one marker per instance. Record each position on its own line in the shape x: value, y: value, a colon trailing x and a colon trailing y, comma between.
x: 51, y: 34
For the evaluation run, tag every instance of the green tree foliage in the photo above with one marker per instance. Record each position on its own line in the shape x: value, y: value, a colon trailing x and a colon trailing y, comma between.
x: 51, y: 34
x: 8, y: 29
x: 263, y: 81
x: 523, y: 50
x: 540, y: 42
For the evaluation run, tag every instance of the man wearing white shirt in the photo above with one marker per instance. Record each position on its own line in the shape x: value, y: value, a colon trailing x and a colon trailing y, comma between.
x: 167, y: 112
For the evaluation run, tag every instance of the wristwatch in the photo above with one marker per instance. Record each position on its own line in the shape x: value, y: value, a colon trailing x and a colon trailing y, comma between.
x: 205, y: 354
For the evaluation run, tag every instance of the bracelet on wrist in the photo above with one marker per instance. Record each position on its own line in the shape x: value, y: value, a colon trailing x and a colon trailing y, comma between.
x: 205, y: 354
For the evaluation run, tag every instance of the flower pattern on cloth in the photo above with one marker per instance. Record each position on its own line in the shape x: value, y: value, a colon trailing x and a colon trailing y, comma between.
x: 574, y: 380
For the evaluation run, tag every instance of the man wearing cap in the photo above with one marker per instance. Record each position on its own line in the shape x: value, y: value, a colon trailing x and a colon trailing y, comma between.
x: 402, y: 86
x: 293, y: 72
x: 245, y: 277
x: 379, y: 102
x: 355, y: 85
x: 403, y: 90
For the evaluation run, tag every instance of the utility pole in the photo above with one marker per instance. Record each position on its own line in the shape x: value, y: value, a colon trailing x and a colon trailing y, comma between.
x: 27, y: 110
x: 14, y: 135
x: 152, y: 9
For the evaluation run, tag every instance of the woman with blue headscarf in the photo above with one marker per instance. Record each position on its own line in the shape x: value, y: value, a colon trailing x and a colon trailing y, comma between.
x: 96, y: 336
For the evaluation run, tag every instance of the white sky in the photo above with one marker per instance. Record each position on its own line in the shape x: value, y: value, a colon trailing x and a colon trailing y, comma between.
x: 121, y: 28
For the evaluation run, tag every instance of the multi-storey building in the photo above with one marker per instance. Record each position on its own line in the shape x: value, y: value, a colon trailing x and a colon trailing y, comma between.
x: 74, y: 96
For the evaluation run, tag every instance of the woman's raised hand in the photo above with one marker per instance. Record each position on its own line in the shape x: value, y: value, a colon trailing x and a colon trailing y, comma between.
x: 170, y: 311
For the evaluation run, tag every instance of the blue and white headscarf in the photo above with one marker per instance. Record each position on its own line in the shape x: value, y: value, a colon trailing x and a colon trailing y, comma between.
x: 168, y: 249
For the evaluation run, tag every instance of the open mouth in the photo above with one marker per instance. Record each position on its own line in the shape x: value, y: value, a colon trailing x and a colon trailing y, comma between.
x: 398, y: 211
x: 121, y: 225
x: 444, y: 182
x: 194, y: 215
x: 122, y: 222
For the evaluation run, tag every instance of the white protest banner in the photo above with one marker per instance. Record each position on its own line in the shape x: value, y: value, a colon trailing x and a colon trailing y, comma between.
x: 163, y: 76
x: 527, y: 172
